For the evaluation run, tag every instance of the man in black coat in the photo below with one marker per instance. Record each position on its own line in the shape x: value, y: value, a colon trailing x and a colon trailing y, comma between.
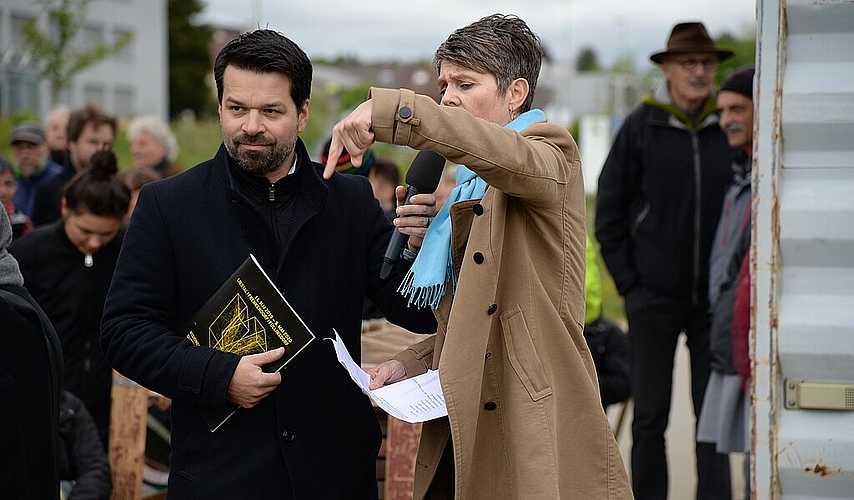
x: 659, y: 198
x: 306, y: 432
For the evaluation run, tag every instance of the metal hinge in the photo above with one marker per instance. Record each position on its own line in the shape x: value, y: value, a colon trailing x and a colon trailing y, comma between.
x: 803, y: 395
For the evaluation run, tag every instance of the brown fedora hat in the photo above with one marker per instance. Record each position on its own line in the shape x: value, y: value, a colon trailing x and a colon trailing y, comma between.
x: 689, y: 38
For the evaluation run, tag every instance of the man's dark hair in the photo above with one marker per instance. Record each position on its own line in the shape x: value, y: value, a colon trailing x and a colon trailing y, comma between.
x: 501, y: 45
x: 90, y: 114
x: 266, y: 51
x: 386, y: 169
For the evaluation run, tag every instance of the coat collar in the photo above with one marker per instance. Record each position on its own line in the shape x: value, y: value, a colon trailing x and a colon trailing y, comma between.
x: 313, y: 189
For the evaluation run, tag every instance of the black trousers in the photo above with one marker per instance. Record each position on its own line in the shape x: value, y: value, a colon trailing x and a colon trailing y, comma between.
x: 655, y: 323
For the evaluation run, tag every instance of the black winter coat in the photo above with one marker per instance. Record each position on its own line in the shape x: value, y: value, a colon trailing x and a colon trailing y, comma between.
x: 658, y: 202
x: 73, y: 294
x: 30, y: 384
x: 316, y: 435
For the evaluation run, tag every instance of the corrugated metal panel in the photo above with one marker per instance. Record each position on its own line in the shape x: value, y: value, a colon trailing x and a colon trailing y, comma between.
x: 803, y: 254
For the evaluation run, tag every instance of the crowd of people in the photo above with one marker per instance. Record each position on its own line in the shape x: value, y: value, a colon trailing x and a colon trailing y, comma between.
x: 498, y: 271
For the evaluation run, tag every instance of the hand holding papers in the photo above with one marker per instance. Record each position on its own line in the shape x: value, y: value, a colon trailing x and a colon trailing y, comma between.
x: 412, y: 400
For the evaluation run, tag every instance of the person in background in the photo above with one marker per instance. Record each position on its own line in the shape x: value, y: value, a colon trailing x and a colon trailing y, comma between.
x: 84, y: 470
x: 89, y: 130
x: 34, y: 165
x: 345, y: 165
x: 56, y: 129
x: 524, y: 415
x: 605, y: 339
x: 305, y: 432
x: 68, y: 265
x: 30, y: 386
x: 725, y: 421
x: 384, y: 177
x: 658, y: 202
x: 153, y: 145
x: 8, y: 186
x: 134, y: 179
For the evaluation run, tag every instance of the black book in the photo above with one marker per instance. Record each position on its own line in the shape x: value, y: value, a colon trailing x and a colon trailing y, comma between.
x: 248, y: 315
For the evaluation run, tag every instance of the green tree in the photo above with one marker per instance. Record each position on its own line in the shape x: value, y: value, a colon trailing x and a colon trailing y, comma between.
x: 745, y: 54
x: 587, y: 60
x: 624, y: 64
x: 58, y: 50
x: 190, y: 63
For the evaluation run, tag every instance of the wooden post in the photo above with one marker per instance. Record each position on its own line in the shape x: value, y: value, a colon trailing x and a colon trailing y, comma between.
x: 401, y: 451
x: 128, y: 421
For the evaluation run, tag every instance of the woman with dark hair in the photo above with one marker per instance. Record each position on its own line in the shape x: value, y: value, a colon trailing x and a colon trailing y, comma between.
x: 68, y: 265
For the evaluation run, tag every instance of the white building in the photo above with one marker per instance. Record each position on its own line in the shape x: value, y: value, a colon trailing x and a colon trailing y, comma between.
x: 598, y: 101
x: 131, y: 82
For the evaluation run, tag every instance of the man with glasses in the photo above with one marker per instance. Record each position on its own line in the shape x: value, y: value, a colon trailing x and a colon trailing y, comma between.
x: 659, y: 199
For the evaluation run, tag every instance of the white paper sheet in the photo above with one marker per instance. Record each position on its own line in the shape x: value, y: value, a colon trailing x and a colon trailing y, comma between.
x: 415, y: 399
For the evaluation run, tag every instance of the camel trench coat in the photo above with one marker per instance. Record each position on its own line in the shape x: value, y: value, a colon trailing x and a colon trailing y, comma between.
x: 524, y: 413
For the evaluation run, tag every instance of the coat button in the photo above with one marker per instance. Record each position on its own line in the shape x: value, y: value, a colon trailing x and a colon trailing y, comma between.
x: 492, y: 309
x: 490, y: 406
x: 477, y: 209
x: 288, y: 435
x: 488, y: 355
x: 478, y: 258
x: 405, y: 113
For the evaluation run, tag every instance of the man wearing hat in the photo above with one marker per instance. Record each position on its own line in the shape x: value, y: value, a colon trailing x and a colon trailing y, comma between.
x: 724, y: 420
x: 659, y: 199
x: 34, y: 166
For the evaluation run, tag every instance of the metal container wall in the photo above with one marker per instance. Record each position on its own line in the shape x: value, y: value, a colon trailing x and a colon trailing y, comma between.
x: 802, y: 256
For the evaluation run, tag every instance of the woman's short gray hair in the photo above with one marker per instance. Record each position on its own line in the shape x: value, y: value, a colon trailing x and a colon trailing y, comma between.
x: 158, y: 130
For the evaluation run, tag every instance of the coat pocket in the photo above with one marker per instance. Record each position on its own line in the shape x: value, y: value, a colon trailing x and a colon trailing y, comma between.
x: 523, y: 355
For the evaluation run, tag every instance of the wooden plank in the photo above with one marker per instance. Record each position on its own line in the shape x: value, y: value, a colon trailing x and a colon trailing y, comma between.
x: 401, y: 451
x: 128, y: 417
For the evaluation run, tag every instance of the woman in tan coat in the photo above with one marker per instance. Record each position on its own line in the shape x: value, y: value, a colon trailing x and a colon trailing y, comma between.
x: 503, y: 268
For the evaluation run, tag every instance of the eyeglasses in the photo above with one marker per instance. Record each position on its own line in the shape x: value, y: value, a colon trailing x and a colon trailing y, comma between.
x: 692, y: 64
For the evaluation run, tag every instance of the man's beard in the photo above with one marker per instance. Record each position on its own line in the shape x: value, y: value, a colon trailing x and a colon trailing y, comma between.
x: 259, y: 162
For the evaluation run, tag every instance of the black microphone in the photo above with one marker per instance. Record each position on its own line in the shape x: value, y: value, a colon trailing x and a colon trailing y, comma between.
x: 423, y: 177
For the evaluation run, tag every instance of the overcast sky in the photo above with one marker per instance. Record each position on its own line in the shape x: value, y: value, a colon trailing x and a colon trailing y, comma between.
x: 407, y: 30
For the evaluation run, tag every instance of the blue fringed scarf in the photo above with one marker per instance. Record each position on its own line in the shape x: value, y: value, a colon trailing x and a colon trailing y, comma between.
x: 425, y: 282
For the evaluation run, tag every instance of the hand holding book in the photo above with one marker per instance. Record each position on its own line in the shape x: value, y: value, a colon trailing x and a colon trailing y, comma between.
x: 248, y: 316
x: 250, y: 384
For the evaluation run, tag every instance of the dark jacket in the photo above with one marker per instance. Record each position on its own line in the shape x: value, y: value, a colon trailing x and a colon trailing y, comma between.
x: 167, y: 169
x: 48, y: 195
x: 30, y: 383
x: 731, y: 243
x: 26, y: 194
x: 316, y: 435
x: 609, y: 348
x: 73, y: 294
x: 659, y: 199
x: 82, y: 458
